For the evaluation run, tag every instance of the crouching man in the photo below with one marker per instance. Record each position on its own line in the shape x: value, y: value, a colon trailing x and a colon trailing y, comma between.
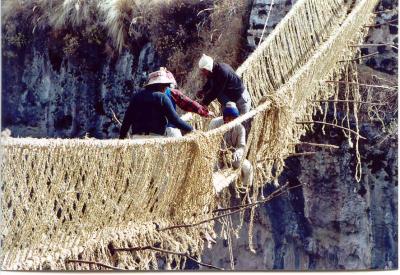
x: 222, y: 84
x: 150, y: 110
x: 235, y: 140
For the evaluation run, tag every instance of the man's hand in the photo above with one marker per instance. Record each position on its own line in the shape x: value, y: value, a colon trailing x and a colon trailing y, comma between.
x: 211, y: 114
x: 186, y: 117
x: 235, y: 157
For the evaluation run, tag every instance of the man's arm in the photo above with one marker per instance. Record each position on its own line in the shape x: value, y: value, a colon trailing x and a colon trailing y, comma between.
x: 207, y: 86
x: 127, y: 122
x: 218, y: 86
x: 187, y: 104
x: 240, y: 142
x: 172, y: 116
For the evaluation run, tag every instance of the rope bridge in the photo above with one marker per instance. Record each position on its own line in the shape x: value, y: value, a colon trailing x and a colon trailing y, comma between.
x: 66, y: 199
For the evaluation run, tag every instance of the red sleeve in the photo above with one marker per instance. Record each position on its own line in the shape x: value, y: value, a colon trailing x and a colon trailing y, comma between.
x: 187, y: 104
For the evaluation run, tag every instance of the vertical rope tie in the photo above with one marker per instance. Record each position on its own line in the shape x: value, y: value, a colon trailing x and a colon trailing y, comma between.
x: 266, y: 23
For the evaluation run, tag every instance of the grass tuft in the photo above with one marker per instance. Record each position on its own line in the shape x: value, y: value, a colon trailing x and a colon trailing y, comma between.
x: 181, y: 30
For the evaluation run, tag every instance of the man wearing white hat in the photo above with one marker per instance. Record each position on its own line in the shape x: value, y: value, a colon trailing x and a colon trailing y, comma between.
x: 222, y: 84
x: 150, y: 110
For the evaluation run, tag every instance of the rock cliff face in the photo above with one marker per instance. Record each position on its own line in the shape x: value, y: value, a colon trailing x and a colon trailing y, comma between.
x: 385, y: 31
x: 330, y: 223
x: 48, y: 94
x: 277, y: 9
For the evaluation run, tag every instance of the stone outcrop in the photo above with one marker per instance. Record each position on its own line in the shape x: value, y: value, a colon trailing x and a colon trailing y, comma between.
x: 259, y: 15
x: 49, y: 94
x: 385, y: 31
x: 331, y: 222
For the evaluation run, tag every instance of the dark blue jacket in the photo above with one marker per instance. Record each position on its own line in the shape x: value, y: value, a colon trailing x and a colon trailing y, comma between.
x: 149, y: 112
x: 222, y: 83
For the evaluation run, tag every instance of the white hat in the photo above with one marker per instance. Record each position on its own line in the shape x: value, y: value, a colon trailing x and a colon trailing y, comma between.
x: 230, y: 104
x: 160, y: 77
x: 206, y: 62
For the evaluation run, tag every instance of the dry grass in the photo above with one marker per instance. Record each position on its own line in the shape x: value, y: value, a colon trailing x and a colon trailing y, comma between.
x: 212, y: 27
x: 224, y: 38
x: 113, y: 15
x: 181, y: 30
x: 120, y: 17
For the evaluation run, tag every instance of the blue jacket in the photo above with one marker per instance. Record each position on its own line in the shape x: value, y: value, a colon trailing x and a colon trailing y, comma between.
x: 168, y: 93
x: 150, y: 112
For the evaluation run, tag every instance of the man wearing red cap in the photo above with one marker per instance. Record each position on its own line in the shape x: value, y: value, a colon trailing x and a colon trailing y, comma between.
x: 150, y: 110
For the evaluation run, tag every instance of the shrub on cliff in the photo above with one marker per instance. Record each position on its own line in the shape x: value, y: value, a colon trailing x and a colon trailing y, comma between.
x: 181, y: 30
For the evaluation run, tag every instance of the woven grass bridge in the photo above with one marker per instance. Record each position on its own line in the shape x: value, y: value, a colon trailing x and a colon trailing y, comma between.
x: 72, y: 199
